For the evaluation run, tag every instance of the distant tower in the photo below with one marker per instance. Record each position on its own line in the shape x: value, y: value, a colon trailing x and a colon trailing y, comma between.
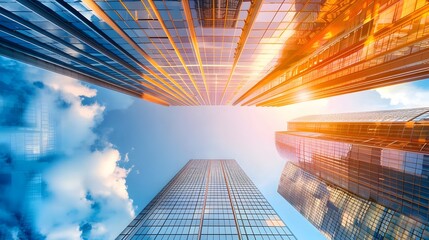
x: 360, y: 175
x: 208, y: 199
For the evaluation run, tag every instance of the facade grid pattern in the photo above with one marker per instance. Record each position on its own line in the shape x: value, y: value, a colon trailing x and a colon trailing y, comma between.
x: 339, y: 214
x: 210, y: 200
x: 222, y: 52
x: 381, y: 157
x: 378, y: 42
x: 29, y: 142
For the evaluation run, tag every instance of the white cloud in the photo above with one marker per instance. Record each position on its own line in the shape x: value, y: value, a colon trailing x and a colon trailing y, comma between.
x: 84, y: 192
x: 75, y: 120
x: 405, y: 95
x: 84, y: 184
x: 68, y: 87
x: 66, y: 232
x: 87, y: 188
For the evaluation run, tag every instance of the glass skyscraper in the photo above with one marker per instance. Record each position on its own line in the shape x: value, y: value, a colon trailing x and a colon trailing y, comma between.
x: 222, y: 52
x: 361, y: 45
x: 209, y: 200
x: 377, y: 159
x: 339, y: 214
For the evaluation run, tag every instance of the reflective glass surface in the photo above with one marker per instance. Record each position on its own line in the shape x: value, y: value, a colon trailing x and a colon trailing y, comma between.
x: 371, y: 44
x: 190, y: 52
x: 220, y: 52
x: 340, y: 215
x: 381, y: 157
x: 208, y: 199
x: 29, y: 142
x: 399, y: 115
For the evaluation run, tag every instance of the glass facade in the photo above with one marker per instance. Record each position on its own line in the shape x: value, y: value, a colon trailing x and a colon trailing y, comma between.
x: 210, y: 200
x: 381, y: 157
x: 190, y: 52
x: 392, y: 116
x: 340, y: 215
x: 28, y: 143
x: 200, y: 52
x: 370, y: 44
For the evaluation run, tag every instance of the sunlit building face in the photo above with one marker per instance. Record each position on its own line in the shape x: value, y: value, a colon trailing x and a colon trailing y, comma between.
x: 222, y: 52
x: 376, y: 158
x: 208, y: 199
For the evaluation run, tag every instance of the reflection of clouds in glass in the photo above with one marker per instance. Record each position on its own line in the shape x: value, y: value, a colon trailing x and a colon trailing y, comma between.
x: 295, y: 184
x: 404, y: 161
x: 53, y: 181
x: 274, y: 223
x: 336, y: 212
x: 301, y: 149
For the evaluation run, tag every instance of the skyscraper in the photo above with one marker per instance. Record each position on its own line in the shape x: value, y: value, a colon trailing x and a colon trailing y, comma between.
x: 378, y: 162
x: 364, y: 45
x: 201, y: 52
x: 208, y: 199
x: 339, y: 214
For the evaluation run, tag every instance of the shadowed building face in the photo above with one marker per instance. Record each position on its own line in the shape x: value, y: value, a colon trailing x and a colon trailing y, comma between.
x: 339, y: 214
x: 219, y: 52
x: 376, y: 158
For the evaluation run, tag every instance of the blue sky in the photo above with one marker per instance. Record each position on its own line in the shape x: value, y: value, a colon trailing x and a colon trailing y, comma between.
x: 160, y: 140
x: 129, y: 149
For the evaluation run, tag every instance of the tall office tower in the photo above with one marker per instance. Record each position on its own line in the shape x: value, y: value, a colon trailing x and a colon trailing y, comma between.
x: 208, y: 199
x: 365, y: 45
x: 339, y: 214
x: 201, y: 52
x: 360, y: 174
